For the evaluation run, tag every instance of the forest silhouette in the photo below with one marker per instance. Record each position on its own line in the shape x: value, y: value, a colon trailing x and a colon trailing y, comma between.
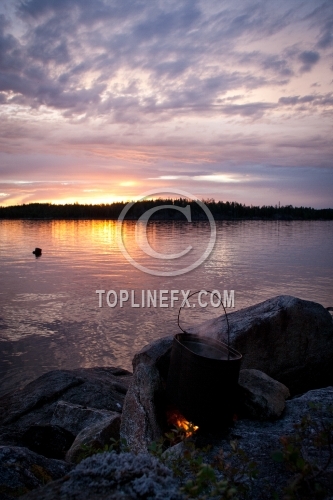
x: 219, y: 209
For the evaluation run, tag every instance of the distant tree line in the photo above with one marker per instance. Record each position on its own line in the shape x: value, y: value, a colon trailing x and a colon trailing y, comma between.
x: 220, y: 210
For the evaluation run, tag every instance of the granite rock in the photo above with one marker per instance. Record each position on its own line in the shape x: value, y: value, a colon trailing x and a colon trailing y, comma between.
x: 74, y: 418
x: 289, y: 339
x: 99, y: 388
x: 261, y: 439
x: 95, y: 437
x: 22, y: 470
x: 261, y: 396
x: 144, y: 409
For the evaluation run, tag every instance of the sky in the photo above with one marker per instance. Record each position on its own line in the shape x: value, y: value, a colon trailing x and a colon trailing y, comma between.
x: 103, y: 100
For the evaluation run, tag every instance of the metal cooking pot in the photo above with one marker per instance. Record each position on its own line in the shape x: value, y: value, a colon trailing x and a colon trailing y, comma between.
x: 202, y: 379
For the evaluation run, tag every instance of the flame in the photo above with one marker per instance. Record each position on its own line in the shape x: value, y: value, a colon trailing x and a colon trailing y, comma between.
x: 174, y: 417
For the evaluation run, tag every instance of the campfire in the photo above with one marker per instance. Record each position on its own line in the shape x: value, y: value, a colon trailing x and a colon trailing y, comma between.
x: 175, y: 418
x: 202, y: 381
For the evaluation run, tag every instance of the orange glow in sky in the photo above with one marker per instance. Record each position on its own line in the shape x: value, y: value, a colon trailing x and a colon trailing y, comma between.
x: 232, y: 102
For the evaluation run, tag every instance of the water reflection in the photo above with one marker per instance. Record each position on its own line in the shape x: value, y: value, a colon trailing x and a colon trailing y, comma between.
x: 49, y: 314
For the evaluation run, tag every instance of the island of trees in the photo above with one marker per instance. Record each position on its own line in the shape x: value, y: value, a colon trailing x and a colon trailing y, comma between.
x: 221, y: 211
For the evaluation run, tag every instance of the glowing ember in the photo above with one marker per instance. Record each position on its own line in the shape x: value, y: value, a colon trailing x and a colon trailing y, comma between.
x: 174, y: 417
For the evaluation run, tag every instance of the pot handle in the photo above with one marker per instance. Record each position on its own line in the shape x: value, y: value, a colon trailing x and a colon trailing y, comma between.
x: 221, y: 303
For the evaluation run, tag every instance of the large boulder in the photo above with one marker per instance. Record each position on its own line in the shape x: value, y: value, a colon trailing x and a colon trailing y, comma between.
x: 157, y: 353
x: 108, y: 476
x: 22, y: 470
x: 97, y: 389
x: 261, y: 396
x: 289, y: 339
x: 101, y: 388
x: 37, y: 394
x: 144, y: 409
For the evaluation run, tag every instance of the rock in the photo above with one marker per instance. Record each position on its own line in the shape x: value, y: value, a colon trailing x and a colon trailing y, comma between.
x: 261, y: 396
x: 37, y: 252
x: 108, y: 476
x: 144, y: 409
x: 175, y: 452
x: 8, y: 436
x: 49, y: 440
x: 22, y: 470
x: 260, y: 439
x: 94, y: 437
x: 99, y: 388
x: 103, y: 388
x: 41, y: 392
x: 156, y: 353
x: 74, y: 418
x: 289, y: 339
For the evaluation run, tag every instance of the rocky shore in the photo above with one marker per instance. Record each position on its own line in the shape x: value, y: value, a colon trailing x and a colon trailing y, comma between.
x: 280, y: 442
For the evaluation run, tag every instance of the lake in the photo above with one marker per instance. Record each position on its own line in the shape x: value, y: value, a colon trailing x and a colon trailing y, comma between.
x: 49, y: 309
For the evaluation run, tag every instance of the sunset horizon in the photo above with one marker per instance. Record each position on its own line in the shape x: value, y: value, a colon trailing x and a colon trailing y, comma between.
x: 138, y: 198
x: 100, y: 103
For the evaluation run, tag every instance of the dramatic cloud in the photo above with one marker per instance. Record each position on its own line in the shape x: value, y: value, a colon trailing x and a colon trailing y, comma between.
x: 100, y: 99
x: 308, y: 58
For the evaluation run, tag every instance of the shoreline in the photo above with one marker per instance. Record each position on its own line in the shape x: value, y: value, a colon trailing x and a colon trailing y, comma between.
x: 169, y: 219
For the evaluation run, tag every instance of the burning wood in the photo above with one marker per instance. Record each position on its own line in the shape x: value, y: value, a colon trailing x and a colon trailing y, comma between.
x: 174, y: 417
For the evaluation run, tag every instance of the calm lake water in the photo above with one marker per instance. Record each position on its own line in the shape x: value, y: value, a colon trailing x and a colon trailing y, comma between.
x: 49, y: 310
